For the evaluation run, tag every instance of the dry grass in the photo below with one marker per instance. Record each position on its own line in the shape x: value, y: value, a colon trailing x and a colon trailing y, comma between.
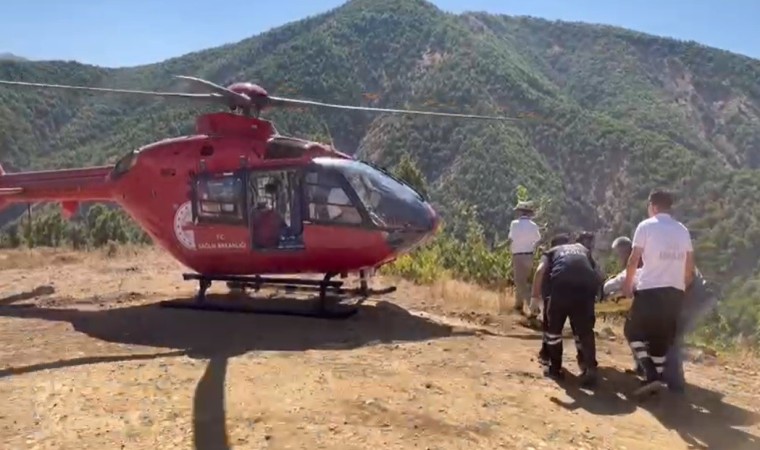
x: 87, y: 361
x: 457, y: 295
x: 25, y: 259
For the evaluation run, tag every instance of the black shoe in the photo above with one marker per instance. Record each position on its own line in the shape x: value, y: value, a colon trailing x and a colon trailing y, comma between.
x: 534, y: 323
x: 649, y: 387
x: 554, y: 374
x: 588, y: 378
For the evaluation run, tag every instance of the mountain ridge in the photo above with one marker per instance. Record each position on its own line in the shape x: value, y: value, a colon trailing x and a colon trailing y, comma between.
x: 8, y: 56
x: 625, y: 112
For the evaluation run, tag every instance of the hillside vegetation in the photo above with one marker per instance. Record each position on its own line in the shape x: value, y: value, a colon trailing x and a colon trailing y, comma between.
x: 620, y: 113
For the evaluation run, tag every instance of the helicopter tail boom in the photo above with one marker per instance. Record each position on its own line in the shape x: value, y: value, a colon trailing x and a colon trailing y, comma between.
x: 68, y: 186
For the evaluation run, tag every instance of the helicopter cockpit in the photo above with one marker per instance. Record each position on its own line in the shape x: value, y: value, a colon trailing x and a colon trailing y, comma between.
x: 387, y: 202
x: 275, y: 204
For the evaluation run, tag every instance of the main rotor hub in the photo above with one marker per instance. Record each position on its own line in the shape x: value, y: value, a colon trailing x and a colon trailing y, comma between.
x: 251, y: 90
x: 259, y: 98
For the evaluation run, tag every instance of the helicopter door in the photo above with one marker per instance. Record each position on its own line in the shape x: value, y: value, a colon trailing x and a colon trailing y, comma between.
x: 275, y: 212
x: 220, y: 211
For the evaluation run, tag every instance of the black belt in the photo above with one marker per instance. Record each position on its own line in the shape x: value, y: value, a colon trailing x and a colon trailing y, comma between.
x: 523, y: 253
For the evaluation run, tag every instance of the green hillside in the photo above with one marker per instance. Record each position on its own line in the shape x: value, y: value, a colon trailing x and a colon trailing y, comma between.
x: 11, y: 57
x: 621, y: 111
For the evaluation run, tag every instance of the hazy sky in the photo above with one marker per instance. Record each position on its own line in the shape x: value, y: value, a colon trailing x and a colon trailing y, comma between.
x: 131, y: 32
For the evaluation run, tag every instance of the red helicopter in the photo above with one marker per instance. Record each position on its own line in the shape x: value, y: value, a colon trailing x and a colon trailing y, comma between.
x: 237, y: 200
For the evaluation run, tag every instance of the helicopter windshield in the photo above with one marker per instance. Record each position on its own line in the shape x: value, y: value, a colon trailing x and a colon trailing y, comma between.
x: 389, y: 202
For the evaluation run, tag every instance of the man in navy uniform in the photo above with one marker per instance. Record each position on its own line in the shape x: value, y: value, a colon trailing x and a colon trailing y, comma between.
x: 572, y: 279
x: 543, y: 354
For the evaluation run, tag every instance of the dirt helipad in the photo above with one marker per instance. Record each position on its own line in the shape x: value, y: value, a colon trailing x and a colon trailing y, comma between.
x: 87, y: 361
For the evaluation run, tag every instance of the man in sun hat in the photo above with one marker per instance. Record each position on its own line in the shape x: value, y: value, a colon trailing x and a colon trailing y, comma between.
x: 524, y: 235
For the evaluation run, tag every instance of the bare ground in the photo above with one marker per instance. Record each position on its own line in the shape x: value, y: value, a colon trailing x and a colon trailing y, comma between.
x: 86, y: 361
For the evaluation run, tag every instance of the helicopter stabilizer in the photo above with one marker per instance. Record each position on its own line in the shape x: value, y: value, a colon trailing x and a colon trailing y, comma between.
x: 67, y: 186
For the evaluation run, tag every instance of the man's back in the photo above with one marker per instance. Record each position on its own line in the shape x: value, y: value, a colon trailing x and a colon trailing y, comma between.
x: 665, y: 243
x: 524, y: 234
x: 572, y: 264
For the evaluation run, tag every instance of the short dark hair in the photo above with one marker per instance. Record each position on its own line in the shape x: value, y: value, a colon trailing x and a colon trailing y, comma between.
x: 661, y: 199
x: 559, y: 239
x: 586, y: 238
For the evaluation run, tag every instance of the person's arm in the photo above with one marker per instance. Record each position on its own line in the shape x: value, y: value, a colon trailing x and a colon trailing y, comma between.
x: 538, y: 277
x: 614, y: 286
x: 536, y: 235
x: 639, y: 241
x: 511, y: 235
x: 630, y: 270
x: 592, y: 261
x: 689, y: 269
x: 597, y: 268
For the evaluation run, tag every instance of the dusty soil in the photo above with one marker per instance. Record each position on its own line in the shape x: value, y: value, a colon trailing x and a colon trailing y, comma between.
x: 88, y: 361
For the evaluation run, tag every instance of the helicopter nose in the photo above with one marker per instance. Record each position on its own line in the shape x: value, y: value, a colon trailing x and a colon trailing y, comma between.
x: 427, y: 223
x: 435, y: 220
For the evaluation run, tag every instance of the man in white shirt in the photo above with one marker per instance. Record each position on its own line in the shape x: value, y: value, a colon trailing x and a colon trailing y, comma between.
x: 524, y: 235
x: 698, y: 301
x: 664, y: 245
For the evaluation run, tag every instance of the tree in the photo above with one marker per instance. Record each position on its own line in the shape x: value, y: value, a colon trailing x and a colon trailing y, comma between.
x: 12, y: 238
x: 408, y: 171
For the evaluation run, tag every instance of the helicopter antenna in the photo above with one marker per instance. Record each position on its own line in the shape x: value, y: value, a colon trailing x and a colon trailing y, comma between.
x: 329, y: 135
x: 30, y: 225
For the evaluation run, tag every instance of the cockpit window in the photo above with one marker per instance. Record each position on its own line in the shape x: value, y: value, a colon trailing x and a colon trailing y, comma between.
x: 327, y: 200
x: 220, y: 198
x: 389, y: 202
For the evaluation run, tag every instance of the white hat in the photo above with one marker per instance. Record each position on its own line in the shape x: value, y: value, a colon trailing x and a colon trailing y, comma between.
x: 524, y: 206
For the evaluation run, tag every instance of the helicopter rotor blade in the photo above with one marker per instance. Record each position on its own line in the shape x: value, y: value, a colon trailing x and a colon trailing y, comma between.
x: 285, y: 102
x: 210, y: 96
x: 220, y: 94
x: 234, y: 97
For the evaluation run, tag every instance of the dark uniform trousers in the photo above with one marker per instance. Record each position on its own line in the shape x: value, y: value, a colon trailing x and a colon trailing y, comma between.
x: 650, y: 328
x: 575, y: 302
x: 543, y: 354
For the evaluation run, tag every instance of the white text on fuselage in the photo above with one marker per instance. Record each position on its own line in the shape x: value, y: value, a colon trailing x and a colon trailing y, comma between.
x: 222, y: 246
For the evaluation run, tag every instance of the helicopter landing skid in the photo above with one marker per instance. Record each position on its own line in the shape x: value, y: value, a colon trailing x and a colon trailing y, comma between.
x: 321, y: 308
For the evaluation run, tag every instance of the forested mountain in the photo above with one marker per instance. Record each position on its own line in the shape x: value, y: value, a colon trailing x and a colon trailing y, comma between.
x: 619, y: 112
x: 10, y: 57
